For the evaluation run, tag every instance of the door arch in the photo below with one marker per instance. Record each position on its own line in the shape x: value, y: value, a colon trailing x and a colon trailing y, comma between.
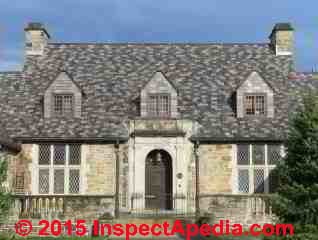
x: 158, y: 189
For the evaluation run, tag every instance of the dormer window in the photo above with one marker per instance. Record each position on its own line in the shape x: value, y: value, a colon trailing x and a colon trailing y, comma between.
x: 255, y: 98
x: 159, y: 98
x: 63, y: 97
x: 158, y: 105
x: 254, y: 104
x: 63, y: 105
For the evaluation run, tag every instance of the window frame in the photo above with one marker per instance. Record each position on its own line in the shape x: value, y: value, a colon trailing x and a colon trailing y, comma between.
x: 255, y: 95
x: 251, y: 167
x: 52, y: 167
x: 63, y: 113
x: 157, y: 104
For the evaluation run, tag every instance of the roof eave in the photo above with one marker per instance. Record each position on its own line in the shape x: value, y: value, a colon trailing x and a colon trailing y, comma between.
x: 112, y: 139
x: 235, y: 139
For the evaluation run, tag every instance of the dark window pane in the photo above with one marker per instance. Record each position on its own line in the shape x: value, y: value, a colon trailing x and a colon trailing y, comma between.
x: 274, y: 154
x: 75, y: 154
x: 243, y: 181
x: 243, y: 154
x: 259, y: 180
x: 258, y: 154
x: 273, y: 181
x: 59, y: 181
x: 59, y: 155
x: 44, y: 154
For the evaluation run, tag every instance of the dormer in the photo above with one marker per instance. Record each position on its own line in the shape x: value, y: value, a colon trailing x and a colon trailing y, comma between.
x: 159, y: 98
x: 255, y: 98
x: 63, y: 98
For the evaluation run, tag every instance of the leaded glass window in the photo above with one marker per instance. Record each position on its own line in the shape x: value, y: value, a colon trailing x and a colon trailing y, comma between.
x: 59, y: 169
x: 255, y: 167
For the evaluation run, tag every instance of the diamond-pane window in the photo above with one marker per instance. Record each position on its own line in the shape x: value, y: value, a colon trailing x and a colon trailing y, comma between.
x: 243, y: 181
x: 44, y: 175
x: 44, y: 154
x: 59, y: 154
x: 255, y: 168
x: 74, y: 182
x: 259, y: 180
x: 243, y: 154
x: 75, y: 154
x: 274, y: 154
x: 59, y: 172
x: 59, y: 181
x: 258, y: 154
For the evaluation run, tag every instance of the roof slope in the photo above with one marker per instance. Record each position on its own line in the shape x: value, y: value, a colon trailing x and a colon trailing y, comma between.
x: 112, y: 75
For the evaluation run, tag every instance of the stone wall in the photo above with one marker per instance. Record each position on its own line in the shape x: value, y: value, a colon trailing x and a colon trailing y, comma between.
x: 241, y: 209
x: 19, y: 169
x: 215, y: 168
x: 100, y: 169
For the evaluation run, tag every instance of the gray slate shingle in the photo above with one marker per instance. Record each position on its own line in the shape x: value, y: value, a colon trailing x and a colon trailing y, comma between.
x: 112, y: 75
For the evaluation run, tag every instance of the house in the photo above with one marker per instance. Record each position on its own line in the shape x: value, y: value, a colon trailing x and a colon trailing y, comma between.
x: 130, y: 129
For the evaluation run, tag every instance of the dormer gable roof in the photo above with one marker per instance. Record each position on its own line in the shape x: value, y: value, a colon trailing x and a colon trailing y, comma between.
x: 254, y: 79
x: 159, y: 78
x: 64, y: 76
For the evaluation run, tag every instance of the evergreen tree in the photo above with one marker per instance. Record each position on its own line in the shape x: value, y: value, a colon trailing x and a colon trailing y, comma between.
x: 4, y: 195
x: 297, y: 198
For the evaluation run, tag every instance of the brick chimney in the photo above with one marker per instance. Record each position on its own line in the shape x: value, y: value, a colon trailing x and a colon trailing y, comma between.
x: 36, y: 38
x: 282, y: 39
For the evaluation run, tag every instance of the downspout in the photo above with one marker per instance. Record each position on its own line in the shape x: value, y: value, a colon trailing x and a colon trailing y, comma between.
x: 117, y: 180
x: 197, y: 183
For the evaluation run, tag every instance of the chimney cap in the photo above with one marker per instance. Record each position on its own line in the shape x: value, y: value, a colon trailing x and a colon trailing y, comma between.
x: 36, y: 26
x: 284, y: 26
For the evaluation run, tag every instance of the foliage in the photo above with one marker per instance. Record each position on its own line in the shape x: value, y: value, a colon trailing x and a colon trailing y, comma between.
x: 302, y: 232
x: 5, y: 197
x: 297, y: 198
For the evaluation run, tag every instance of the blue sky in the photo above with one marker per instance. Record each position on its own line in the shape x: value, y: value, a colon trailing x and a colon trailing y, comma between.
x: 158, y: 21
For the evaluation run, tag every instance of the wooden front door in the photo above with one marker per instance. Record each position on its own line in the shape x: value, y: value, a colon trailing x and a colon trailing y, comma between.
x: 158, y: 180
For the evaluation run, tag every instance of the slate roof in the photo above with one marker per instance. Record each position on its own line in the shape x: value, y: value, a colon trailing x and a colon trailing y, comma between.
x: 112, y: 75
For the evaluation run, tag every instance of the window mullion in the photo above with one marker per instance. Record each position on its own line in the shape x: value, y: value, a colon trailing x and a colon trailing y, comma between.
x: 51, y: 171
x: 251, y: 170
x: 266, y: 171
x: 66, y: 169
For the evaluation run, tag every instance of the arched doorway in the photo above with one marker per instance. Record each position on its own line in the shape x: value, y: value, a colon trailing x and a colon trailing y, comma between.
x: 158, y: 182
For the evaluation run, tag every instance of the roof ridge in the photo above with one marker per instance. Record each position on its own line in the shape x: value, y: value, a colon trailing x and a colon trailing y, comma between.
x: 8, y: 72
x: 158, y: 43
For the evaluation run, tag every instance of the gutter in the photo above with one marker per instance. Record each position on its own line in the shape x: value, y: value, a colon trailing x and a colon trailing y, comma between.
x: 73, y: 140
x: 235, y: 140
x: 12, y: 146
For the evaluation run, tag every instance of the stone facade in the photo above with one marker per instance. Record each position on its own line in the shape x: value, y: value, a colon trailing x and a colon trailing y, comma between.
x: 215, y: 168
x: 100, y: 168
